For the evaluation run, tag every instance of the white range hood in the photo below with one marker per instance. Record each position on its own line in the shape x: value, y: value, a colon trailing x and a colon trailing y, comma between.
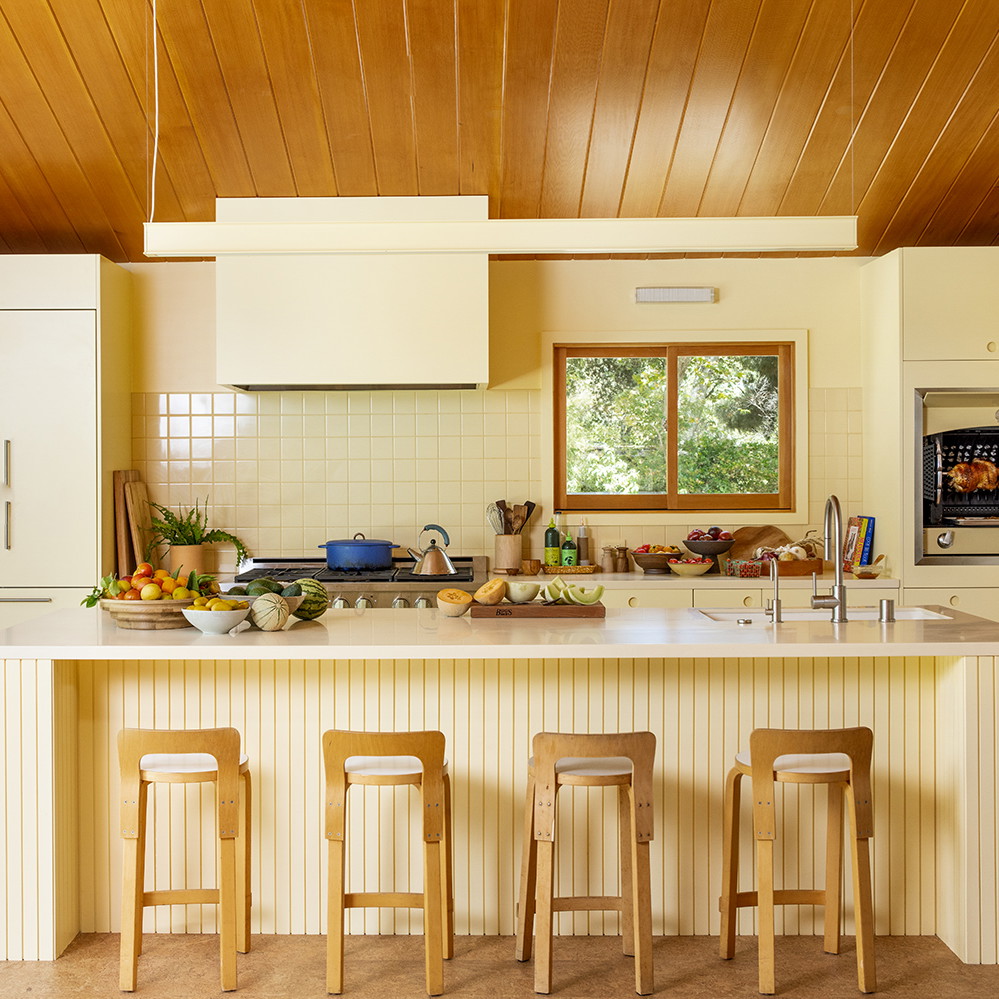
x: 346, y: 320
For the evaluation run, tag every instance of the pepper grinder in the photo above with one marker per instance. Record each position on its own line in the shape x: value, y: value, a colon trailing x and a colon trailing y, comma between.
x: 607, y: 562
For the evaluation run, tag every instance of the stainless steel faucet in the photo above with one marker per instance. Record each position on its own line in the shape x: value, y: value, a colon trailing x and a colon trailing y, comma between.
x: 832, y: 532
x: 773, y: 609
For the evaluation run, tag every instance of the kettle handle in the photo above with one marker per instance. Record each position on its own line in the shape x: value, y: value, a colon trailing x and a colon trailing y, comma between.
x: 437, y: 527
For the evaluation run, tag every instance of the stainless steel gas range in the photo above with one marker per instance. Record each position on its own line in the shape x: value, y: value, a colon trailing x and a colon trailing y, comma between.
x: 394, y: 587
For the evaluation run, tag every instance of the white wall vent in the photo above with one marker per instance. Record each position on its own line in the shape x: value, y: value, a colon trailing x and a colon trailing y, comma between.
x: 676, y: 294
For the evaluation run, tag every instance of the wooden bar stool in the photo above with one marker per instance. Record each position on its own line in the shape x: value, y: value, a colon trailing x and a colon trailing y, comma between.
x: 840, y: 758
x: 392, y: 759
x: 195, y: 756
x: 624, y: 760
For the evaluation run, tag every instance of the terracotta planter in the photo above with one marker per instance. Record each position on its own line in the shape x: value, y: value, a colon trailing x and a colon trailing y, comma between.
x: 187, y: 557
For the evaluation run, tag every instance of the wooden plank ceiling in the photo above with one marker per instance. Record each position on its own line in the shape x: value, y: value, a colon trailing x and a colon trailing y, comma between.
x: 552, y: 108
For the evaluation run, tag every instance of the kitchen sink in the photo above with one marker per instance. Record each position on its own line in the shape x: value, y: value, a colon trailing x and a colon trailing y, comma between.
x: 791, y: 614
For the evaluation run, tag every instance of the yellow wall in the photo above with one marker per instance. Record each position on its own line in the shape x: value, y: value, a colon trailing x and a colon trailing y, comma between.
x: 286, y: 471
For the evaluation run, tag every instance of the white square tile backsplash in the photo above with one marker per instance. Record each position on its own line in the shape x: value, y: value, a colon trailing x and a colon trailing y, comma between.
x: 286, y: 471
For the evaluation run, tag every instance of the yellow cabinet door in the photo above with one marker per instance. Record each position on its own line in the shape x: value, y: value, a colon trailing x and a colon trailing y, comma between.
x: 981, y: 601
x: 647, y: 598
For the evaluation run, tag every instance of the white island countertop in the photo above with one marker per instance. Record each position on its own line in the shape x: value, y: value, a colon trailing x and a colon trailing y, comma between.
x: 626, y: 633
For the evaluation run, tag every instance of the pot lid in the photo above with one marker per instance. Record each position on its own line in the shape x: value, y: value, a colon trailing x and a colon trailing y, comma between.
x: 355, y: 542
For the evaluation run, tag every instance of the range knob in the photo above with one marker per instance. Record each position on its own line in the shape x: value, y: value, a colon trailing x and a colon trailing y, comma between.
x: 363, y: 602
x: 340, y: 603
x: 422, y: 602
x: 400, y: 601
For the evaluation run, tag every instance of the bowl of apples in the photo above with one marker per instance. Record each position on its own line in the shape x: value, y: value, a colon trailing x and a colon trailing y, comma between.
x: 713, y: 541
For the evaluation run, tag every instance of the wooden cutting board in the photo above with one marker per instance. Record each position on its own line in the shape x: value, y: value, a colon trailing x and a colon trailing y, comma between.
x: 748, y: 539
x: 536, y: 609
x: 122, y: 532
x: 139, y: 518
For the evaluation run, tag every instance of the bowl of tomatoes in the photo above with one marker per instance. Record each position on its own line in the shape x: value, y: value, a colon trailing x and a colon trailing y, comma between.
x: 690, y: 566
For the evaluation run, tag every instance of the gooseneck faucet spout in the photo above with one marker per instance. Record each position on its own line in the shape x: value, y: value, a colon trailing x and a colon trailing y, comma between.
x: 832, y: 531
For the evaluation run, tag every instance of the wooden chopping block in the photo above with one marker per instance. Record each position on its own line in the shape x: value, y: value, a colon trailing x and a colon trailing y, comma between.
x: 748, y: 539
x: 122, y: 531
x: 139, y: 517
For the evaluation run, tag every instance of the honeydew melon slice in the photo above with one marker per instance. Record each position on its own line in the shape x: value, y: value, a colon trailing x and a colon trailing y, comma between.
x: 581, y: 596
x: 521, y: 592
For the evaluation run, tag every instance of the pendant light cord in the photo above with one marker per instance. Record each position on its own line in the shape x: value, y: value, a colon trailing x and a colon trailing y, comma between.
x: 156, y: 121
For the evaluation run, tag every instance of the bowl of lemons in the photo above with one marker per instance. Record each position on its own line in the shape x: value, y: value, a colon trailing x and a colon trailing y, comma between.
x: 215, y: 615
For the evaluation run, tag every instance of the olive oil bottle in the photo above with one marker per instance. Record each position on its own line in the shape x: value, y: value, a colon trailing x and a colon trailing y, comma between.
x: 569, y: 551
x: 553, y: 544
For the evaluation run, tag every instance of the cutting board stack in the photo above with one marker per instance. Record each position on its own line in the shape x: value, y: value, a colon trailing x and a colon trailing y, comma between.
x: 132, y: 519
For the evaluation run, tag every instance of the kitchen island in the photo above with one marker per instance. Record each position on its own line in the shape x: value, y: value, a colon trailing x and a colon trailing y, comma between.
x: 926, y: 686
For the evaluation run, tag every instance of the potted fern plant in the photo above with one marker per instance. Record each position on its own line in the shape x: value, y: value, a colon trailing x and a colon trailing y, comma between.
x: 185, y: 535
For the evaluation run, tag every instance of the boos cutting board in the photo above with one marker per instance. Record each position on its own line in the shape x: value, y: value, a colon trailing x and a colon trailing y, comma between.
x: 537, y: 609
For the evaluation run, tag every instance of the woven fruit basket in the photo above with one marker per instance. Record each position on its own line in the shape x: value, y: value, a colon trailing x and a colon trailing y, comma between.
x: 568, y: 570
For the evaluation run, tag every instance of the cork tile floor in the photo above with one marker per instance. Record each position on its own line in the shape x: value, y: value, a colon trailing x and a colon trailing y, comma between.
x: 288, y: 967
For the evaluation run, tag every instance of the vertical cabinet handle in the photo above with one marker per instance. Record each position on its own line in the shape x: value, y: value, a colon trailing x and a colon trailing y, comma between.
x: 6, y: 463
x: 6, y: 525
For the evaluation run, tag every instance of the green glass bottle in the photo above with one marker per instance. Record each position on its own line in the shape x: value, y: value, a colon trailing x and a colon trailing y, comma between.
x: 553, y: 544
x: 569, y: 551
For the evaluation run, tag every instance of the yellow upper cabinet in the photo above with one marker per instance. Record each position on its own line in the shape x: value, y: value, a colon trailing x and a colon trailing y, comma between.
x: 950, y: 303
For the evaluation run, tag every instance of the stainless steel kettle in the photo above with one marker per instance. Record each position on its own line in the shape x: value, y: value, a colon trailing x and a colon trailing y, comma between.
x: 433, y: 561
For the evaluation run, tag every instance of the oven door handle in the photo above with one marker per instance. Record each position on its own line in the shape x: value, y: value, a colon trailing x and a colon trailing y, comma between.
x: 939, y: 473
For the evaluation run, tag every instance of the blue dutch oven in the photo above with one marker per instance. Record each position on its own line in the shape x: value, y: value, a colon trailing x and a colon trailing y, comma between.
x: 358, y: 553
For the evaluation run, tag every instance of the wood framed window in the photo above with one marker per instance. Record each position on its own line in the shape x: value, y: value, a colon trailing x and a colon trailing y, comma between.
x: 679, y: 426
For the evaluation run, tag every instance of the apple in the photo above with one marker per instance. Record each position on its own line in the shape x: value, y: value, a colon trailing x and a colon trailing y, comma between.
x: 714, y: 533
x: 725, y: 536
x: 695, y: 535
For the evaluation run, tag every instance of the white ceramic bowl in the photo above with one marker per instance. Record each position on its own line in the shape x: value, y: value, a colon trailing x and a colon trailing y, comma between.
x: 215, y: 622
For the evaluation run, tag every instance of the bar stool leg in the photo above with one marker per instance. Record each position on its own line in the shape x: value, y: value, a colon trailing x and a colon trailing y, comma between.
x: 141, y: 870
x: 243, y: 869
x: 863, y: 904
x: 447, y: 873
x: 642, y: 912
x: 765, y: 884
x: 834, y: 867
x: 227, y: 913
x: 543, y: 933
x: 528, y: 880
x: 730, y: 864
x: 432, y: 921
x: 132, y: 862
x: 626, y: 834
x: 334, y: 916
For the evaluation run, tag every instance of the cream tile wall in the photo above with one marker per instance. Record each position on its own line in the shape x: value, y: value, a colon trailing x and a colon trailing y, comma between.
x: 287, y: 471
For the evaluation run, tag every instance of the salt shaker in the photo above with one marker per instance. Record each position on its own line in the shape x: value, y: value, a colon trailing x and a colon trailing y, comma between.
x: 607, y: 562
x: 621, y: 560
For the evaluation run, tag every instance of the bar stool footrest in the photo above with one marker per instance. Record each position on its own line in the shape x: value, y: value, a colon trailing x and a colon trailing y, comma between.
x: 383, y: 900
x: 588, y: 903
x: 782, y: 896
x: 181, y: 896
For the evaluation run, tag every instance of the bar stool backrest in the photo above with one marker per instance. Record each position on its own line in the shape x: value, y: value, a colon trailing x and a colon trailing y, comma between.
x: 766, y: 744
x: 427, y: 747
x: 220, y: 743
x: 550, y: 747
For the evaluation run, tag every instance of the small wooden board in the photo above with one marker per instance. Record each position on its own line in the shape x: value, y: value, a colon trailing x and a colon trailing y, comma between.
x: 123, y: 538
x: 537, y: 609
x: 139, y: 517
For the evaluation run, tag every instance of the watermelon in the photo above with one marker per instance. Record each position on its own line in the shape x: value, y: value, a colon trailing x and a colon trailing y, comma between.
x: 316, y: 601
x: 269, y: 612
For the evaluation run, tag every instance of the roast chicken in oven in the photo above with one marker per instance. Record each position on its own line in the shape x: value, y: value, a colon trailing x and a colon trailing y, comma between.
x: 967, y: 476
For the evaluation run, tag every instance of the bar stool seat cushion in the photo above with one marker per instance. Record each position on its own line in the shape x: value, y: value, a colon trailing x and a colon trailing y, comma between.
x: 591, y: 766
x: 183, y: 763
x: 384, y: 766
x: 792, y: 763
